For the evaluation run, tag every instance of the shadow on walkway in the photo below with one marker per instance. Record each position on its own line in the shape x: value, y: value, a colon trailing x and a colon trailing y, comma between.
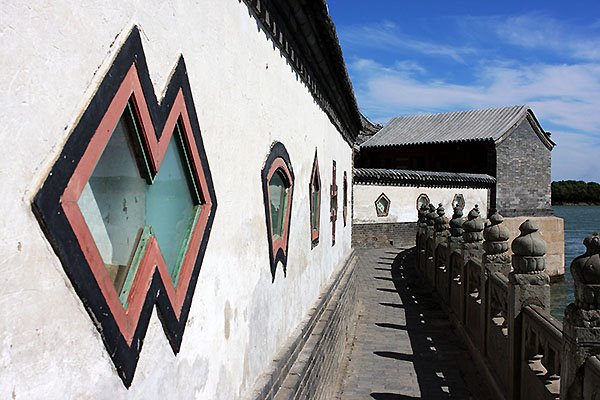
x: 439, y: 357
x: 410, y: 350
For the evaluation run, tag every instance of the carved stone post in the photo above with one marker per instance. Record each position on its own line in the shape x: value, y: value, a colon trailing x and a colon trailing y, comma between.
x: 456, y: 231
x: 495, y: 259
x: 581, y: 326
x: 442, y: 232
x: 473, y: 280
x: 495, y: 245
x: 455, y: 242
x: 470, y: 249
x: 528, y: 284
x: 421, y: 234
x: 429, y: 246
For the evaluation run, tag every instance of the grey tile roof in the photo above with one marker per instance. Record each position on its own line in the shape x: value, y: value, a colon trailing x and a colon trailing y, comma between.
x: 460, y: 126
x: 402, y: 177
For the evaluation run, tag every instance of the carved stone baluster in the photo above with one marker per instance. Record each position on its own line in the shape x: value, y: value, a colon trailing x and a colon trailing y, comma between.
x: 471, y: 249
x: 528, y: 284
x: 456, y: 230
x: 455, y: 242
x: 581, y: 326
x: 495, y: 245
x: 430, y: 246
x: 442, y: 232
x: 421, y: 233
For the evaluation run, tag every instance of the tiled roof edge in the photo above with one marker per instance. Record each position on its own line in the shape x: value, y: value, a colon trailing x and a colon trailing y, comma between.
x: 400, y: 177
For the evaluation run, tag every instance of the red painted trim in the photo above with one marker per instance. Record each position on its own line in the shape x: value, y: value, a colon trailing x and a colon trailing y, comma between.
x: 127, y: 319
x: 279, y: 243
x: 345, y: 199
x: 333, y: 202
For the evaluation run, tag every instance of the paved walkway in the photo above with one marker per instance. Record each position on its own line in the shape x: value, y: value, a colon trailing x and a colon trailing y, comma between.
x: 404, y: 347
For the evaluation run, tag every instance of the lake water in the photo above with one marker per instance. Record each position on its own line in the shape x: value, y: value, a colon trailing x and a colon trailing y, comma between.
x: 580, y: 221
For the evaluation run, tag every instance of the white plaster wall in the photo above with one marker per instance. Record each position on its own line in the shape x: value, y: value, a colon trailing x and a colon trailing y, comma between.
x: 53, y: 55
x: 403, y: 205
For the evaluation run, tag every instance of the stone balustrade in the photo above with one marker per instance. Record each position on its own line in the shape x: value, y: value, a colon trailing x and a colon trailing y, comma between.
x: 499, y: 304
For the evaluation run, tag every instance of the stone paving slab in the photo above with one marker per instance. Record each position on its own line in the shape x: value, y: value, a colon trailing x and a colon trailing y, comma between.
x: 404, y: 346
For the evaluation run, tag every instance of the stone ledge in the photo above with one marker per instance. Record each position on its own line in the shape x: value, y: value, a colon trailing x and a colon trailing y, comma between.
x: 304, y: 367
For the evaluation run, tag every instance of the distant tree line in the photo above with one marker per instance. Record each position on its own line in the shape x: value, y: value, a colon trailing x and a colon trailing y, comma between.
x: 574, y: 192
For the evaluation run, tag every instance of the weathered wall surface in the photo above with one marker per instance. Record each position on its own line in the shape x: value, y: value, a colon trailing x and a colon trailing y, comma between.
x: 523, y: 173
x: 398, y: 228
x: 403, y: 205
x: 52, y: 57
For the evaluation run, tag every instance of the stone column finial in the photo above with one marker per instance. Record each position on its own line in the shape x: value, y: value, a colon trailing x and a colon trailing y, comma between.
x: 581, y: 326
x: 495, y: 235
x: 495, y: 245
x: 529, y: 251
x: 431, y: 215
x: 456, y: 230
x: 441, y: 221
x: 473, y: 226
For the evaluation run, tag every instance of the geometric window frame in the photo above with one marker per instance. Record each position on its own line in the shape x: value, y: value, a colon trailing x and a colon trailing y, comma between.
x: 333, y: 207
x: 278, y: 162
x: 127, y: 85
x: 422, y: 200
x: 382, y: 205
x: 315, y: 202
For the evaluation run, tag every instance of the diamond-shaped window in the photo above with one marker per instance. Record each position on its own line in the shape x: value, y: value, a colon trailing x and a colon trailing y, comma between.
x: 382, y: 205
x: 124, y: 205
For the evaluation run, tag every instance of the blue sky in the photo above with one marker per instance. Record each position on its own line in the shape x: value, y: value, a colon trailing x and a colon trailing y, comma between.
x: 407, y: 57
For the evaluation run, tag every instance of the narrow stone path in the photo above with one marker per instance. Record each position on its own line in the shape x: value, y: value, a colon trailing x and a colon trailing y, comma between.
x: 404, y: 346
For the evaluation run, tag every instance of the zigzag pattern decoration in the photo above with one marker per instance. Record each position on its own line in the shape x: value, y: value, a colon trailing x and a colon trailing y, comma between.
x: 55, y: 205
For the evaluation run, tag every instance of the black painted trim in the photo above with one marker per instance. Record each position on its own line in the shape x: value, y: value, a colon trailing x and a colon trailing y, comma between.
x: 48, y: 209
x: 278, y: 150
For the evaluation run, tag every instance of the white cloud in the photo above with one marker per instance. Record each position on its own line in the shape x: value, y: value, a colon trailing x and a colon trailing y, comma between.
x: 563, y: 88
x: 385, y: 36
x: 540, y: 32
x: 566, y: 100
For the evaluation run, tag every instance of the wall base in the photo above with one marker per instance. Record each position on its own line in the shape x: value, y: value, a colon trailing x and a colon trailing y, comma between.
x: 400, y: 234
x: 309, y: 366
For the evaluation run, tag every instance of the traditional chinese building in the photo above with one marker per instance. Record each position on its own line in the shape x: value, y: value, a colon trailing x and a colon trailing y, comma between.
x: 503, y: 151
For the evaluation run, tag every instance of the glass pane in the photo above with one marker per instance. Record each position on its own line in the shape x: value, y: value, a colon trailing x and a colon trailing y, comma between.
x: 315, y: 210
x: 278, y: 202
x: 170, y: 209
x: 118, y: 206
x: 110, y: 204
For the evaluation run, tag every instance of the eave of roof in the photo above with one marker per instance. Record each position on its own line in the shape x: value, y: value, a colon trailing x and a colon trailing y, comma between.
x: 400, y: 177
x: 305, y: 33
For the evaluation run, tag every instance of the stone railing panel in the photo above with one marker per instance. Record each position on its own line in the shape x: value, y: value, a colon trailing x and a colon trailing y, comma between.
x: 497, y: 343
x: 474, y: 307
x: 442, y: 275
x: 591, y: 379
x: 541, y: 349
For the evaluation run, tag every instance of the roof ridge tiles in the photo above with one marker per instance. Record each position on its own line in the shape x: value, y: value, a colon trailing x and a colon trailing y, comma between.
x: 455, y: 126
